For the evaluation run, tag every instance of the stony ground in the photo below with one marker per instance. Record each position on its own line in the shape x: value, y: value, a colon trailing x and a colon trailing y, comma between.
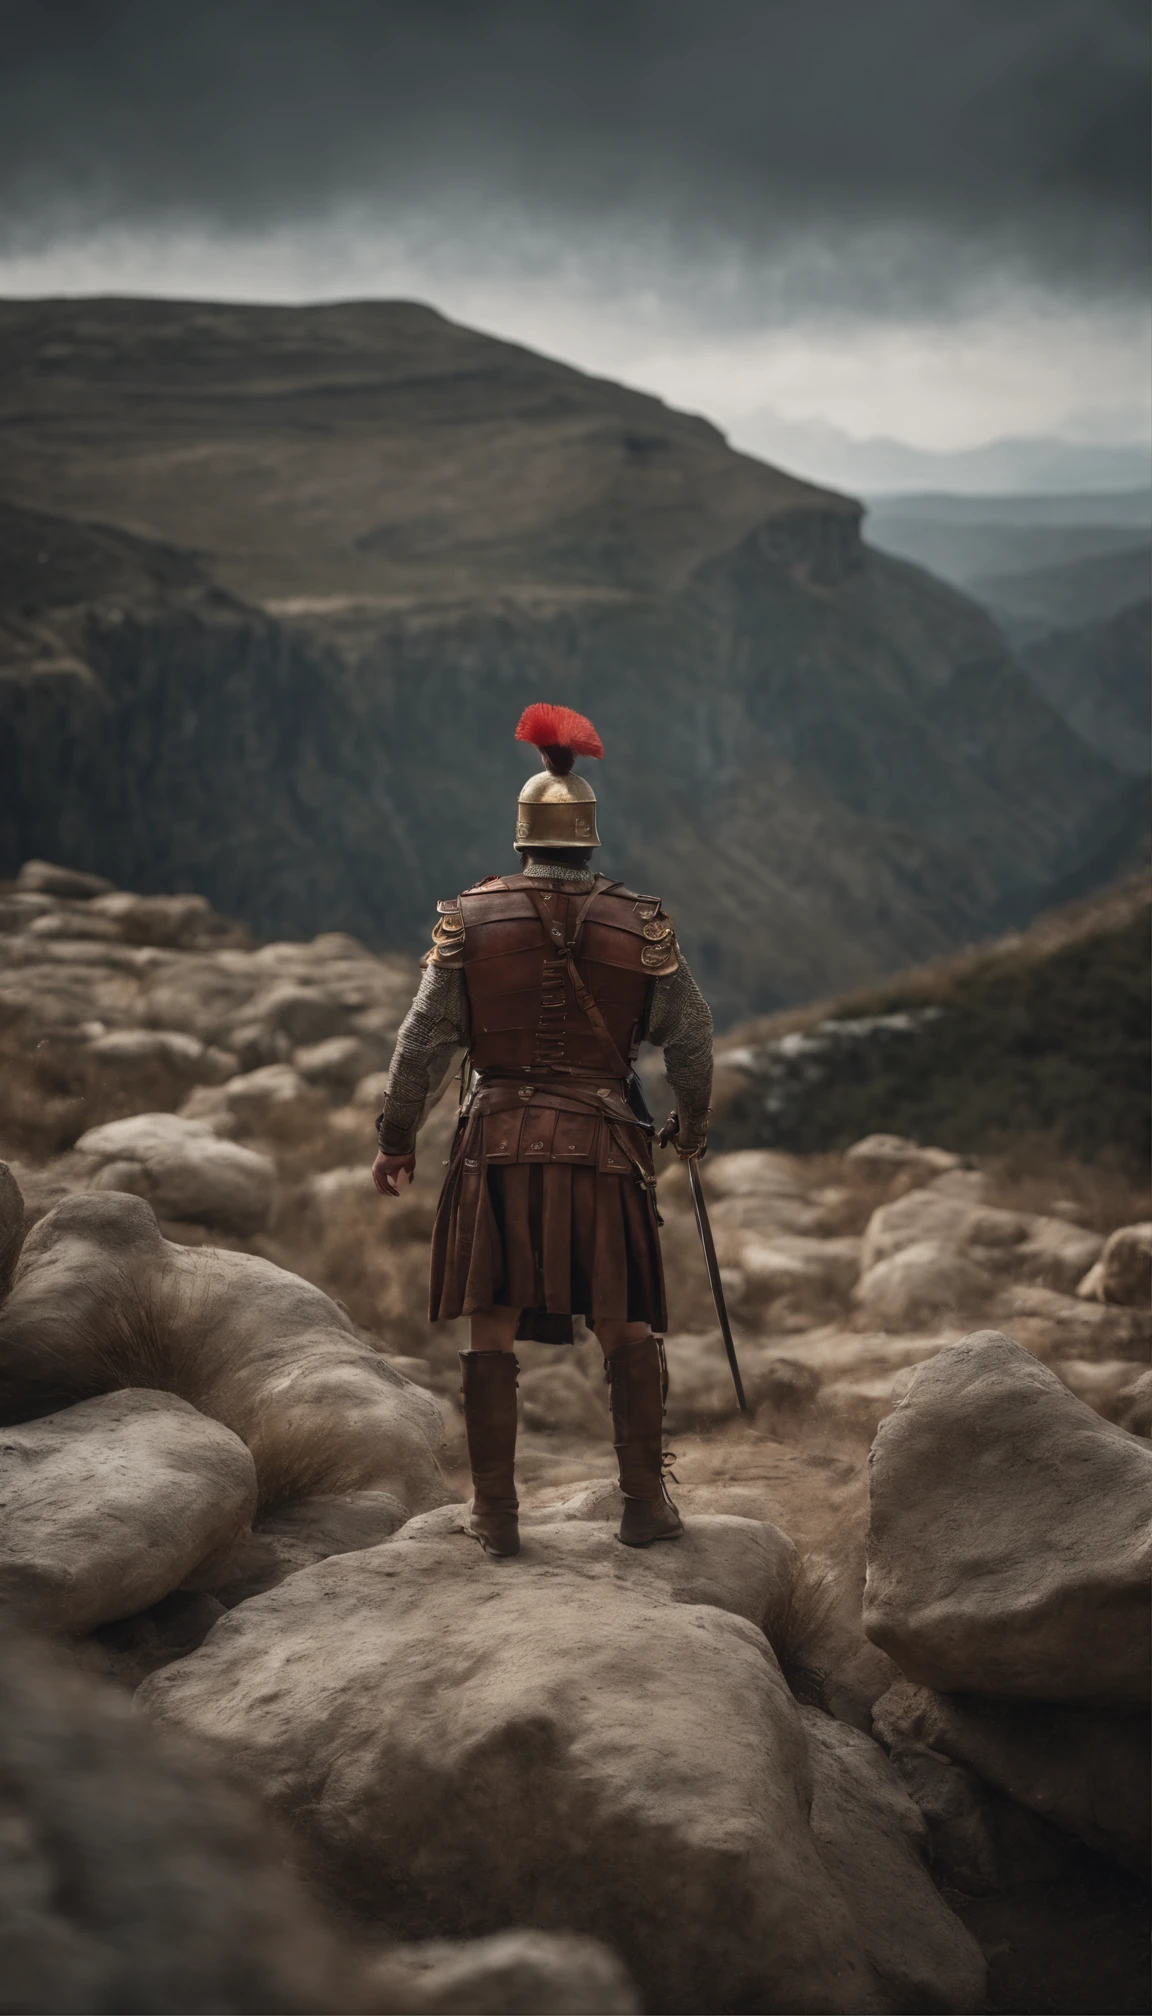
x: 188, y: 1119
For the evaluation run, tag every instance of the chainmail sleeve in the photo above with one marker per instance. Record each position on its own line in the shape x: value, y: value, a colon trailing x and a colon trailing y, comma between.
x: 680, y: 1024
x: 435, y: 1027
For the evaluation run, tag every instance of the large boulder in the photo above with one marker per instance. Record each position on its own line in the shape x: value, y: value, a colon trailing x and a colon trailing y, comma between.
x: 630, y: 1745
x: 183, y: 1170
x: 926, y: 1282
x: 45, y: 878
x: 805, y: 1273
x: 130, y: 1051
x: 1010, y: 1536
x: 1123, y: 1272
x: 1005, y: 1244
x: 981, y: 1840
x: 758, y: 1190
x: 106, y: 1507
x: 177, y: 921
x: 11, y: 1226
x: 874, y: 1842
x: 252, y: 1101
x: 520, y: 1973
x: 1067, y: 1326
x: 132, y: 1879
x: 1133, y: 1406
x: 892, y: 1156
x: 1086, y: 1770
x: 101, y: 1300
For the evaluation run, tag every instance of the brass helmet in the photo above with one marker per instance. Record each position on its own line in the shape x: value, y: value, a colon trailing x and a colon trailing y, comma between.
x: 555, y: 808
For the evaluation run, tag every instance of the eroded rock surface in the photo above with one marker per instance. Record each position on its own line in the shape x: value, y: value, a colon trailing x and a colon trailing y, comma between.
x: 102, y: 1300
x: 634, y: 1750
x: 106, y: 1507
x: 296, y: 1535
x: 1010, y: 1536
x: 1123, y: 1272
x: 183, y: 1170
x: 130, y: 1878
x: 1086, y: 1770
x: 521, y: 1973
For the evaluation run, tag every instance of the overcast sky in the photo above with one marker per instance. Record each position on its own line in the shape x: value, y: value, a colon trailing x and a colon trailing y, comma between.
x: 923, y: 219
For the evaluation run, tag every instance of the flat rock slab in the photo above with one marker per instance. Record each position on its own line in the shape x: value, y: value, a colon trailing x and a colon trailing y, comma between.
x: 571, y: 1740
x: 107, y: 1506
x: 1010, y: 1539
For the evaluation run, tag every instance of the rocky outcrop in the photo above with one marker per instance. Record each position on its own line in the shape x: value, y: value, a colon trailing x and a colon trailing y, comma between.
x: 109, y: 1023
x: 1085, y: 1770
x: 132, y: 1879
x: 101, y: 1300
x: 726, y: 1851
x: 1010, y: 1537
x: 106, y: 1507
x: 1005, y: 1243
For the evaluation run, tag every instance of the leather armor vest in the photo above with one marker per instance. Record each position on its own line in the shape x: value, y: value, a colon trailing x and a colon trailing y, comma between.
x: 513, y: 934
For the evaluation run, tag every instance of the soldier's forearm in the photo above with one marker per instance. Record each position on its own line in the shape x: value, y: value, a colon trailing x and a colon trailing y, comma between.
x: 435, y: 1026
x: 681, y: 1025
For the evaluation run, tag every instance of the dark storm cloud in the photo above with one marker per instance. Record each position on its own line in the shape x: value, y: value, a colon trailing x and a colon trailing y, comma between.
x: 1007, y: 132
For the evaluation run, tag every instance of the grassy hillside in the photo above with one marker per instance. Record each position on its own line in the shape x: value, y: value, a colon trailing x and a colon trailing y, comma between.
x: 1040, y: 1036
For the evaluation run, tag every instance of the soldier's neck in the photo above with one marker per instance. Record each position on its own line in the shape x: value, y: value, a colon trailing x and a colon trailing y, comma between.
x: 551, y: 871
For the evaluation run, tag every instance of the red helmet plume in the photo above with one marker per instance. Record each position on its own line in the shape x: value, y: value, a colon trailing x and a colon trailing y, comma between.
x: 560, y: 734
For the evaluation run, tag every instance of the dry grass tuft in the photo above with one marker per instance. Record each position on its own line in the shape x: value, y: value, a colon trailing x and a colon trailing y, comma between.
x: 1031, y: 1173
x: 799, y: 1633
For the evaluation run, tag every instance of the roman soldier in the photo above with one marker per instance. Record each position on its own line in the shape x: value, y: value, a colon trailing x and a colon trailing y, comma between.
x: 550, y: 979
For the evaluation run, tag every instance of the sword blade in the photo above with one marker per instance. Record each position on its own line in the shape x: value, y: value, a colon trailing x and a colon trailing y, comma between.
x: 714, y: 1281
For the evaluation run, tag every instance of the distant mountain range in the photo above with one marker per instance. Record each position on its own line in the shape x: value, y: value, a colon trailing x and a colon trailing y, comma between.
x: 1036, y: 463
x: 276, y: 582
x: 1036, y: 564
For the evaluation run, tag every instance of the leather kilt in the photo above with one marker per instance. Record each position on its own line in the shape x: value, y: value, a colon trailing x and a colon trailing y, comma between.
x: 549, y: 1207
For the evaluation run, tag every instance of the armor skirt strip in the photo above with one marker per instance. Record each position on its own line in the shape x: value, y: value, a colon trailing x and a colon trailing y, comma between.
x: 555, y: 1240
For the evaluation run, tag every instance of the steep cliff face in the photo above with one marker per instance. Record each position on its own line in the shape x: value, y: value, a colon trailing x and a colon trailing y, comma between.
x: 304, y: 566
x: 1096, y: 677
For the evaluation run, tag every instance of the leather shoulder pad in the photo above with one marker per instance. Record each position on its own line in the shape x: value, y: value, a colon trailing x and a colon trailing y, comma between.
x: 659, y: 955
x: 486, y: 882
x: 447, y: 947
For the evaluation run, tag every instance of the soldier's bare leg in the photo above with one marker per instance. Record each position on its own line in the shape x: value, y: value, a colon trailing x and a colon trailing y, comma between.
x: 489, y: 1384
x: 634, y: 1361
x: 611, y: 1333
x: 495, y: 1329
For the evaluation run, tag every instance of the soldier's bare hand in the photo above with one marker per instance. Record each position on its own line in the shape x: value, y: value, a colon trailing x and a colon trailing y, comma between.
x: 387, y: 1170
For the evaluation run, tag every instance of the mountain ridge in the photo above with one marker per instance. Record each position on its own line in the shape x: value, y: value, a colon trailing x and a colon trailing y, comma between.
x: 302, y: 700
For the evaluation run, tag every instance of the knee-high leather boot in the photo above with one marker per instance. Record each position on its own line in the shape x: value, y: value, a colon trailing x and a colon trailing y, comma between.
x: 489, y: 1385
x: 636, y: 1381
